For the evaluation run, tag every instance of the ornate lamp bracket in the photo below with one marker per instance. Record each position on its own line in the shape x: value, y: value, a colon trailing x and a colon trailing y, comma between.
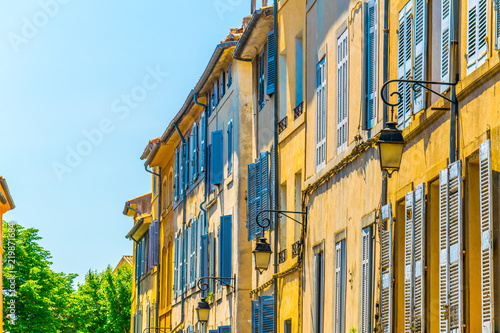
x: 203, y: 286
x: 280, y: 214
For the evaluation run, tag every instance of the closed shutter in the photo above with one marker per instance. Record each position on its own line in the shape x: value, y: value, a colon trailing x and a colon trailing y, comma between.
x: 321, y: 114
x: 340, y: 287
x: 229, y: 147
x: 366, y: 280
x: 386, y: 263
x: 251, y: 195
x: 194, y: 246
x: 266, y: 319
x: 156, y: 247
x: 497, y: 24
x: 182, y: 161
x: 420, y: 61
x: 445, y: 41
x: 371, y: 66
x: 419, y: 258
x: 272, y: 186
x: 443, y: 252
x: 405, y: 65
x: 255, y: 317
x: 216, y: 156
x: 225, y: 329
x: 222, y: 89
x: 137, y: 261
x: 148, y: 316
x: 176, y: 264
x: 477, y: 32
x: 271, y: 64
x: 204, y: 264
x: 185, y: 247
x: 212, y: 260
x: 409, y: 244
x: 203, y: 142
x: 176, y: 175
x: 195, y: 151
x: 230, y: 75
x: 151, y: 242
x: 342, y: 90
x: 226, y: 237
x: 265, y: 188
x: 260, y: 74
x: 486, y: 217
x: 187, y: 161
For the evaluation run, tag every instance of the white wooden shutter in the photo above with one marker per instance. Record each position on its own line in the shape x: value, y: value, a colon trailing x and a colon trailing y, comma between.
x: 486, y: 218
x: 445, y: 42
x: 419, y: 258
x: 405, y: 65
x: 371, y: 74
x: 386, y: 262
x: 366, y: 274
x: 443, y: 252
x: 342, y: 90
x: 482, y: 31
x: 420, y: 55
x: 321, y: 114
x: 477, y: 32
x: 408, y: 281
x: 339, y: 287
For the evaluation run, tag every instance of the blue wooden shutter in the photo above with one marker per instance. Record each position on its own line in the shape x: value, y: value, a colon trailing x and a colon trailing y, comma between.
x: 151, y: 243
x: 251, y: 194
x: 156, y: 247
x: 266, y: 319
x: 213, y: 331
x: 230, y: 75
x: 219, y: 254
x: 255, y: 317
x: 187, y: 167
x: 216, y: 165
x: 264, y: 186
x: 203, y: 142
x: 211, y: 259
x: 204, y: 258
x: 225, y: 329
x: 195, y: 151
x: 182, y: 161
x: 271, y: 64
x: 226, y: 248
x: 222, y: 84
x: 371, y: 68
x: 176, y: 175
x: 229, y: 147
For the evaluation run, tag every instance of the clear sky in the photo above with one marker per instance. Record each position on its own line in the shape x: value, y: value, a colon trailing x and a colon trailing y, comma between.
x: 84, y: 84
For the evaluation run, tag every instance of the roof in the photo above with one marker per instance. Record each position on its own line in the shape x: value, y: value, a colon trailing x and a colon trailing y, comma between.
x: 149, y: 147
x: 142, y: 204
x: 126, y: 260
x: 255, y: 35
x: 5, y: 196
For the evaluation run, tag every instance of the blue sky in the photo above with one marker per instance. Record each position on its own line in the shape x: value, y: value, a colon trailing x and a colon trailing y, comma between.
x: 79, y: 102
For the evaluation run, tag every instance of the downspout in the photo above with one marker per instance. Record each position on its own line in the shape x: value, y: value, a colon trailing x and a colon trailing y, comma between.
x: 138, y: 283
x: 157, y: 319
x: 202, y: 204
x: 275, y: 161
x: 454, y: 126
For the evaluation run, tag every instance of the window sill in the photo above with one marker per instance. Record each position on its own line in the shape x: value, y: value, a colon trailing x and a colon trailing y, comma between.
x: 228, y: 180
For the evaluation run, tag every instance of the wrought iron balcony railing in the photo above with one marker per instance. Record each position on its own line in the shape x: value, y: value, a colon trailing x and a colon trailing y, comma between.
x: 295, y: 249
x: 298, y: 110
x: 282, y: 256
x: 282, y: 124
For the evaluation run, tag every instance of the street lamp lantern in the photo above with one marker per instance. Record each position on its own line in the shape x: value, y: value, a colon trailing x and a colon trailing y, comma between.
x: 390, y: 146
x: 203, y: 310
x: 262, y: 255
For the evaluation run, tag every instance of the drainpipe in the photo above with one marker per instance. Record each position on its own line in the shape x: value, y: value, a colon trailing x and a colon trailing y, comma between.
x: 202, y: 204
x: 157, y: 319
x: 454, y: 150
x: 137, y: 282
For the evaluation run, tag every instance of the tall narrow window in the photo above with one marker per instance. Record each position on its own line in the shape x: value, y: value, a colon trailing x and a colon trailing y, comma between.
x: 477, y: 33
x: 230, y: 139
x: 283, y: 222
x: 299, y: 71
x: 321, y: 114
x: 340, y: 287
x: 318, y: 292
x: 260, y: 80
x: 342, y: 90
x: 366, y: 280
x: 283, y: 85
x: 445, y: 41
x: 371, y: 65
x: 405, y: 64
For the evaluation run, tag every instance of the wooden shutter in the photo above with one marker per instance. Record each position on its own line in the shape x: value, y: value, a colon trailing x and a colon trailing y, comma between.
x: 213, y: 331
x: 419, y: 258
x: 371, y: 66
x: 319, y: 278
x: 266, y: 319
x: 271, y: 185
x: 420, y: 55
x: 176, y: 264
x: 446, y: 10
x: 366, y: 280
x: 260, y: 74
x: 443, y: 252
x: 229, y: 147
x: 497, y: 24
x: 386, y: 266
x: 194, y: 246
x: 226, y: 240
x: 251, y: 195
x: 408, y: 281
x: 212, y: 260
x: 222, y: 89
x: 195, y: 151
x: 230, y: 75
x: 151, y: 242
x: 339, y: 287
x: 405, y: 65
x: 342, y: 90
x: 204, y: 264
x: 255, y: 317
x: 477, y: 32
x: 271, y: 63
x: 321, y: 114
x: 225, y: 329
x: 182, y: 161
x: 486, y: 218
x: 185, y: 247
x: 176, y: 175
x: 216, y: 158
x: 156, y: 247
x: 137, y: 261
x: 265, y: 187
x: 482, y: 31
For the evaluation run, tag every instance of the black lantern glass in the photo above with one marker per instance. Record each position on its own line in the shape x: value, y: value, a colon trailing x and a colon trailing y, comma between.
x: 390, y: 146
x: 262, y: 255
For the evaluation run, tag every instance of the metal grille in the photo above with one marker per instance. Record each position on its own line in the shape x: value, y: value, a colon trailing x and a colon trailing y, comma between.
x: 295, y: 249
x: 298, y: 110
x: 282, y: 256
x: 282, y: 124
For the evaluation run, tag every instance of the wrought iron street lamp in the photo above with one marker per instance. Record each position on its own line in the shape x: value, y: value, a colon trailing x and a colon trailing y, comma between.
x: 390, y: 147
x: 203, y: 310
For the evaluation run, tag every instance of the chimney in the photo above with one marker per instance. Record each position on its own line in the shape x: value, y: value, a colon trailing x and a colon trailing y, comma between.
x: 252, y: 7
x: 264, y: 3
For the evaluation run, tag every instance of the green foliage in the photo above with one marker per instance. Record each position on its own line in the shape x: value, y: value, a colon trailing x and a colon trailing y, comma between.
x: 46, y: 302
x: 353, y: 330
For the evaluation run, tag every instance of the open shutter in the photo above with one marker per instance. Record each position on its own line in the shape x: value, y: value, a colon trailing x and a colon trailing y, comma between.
x: 485, y: 200
x: 176, y: 175
x: 137, y: 261
x: 405, y: 56
x: 226, y: 236
x: 366, y: 279
x: 420, y: 61
x: 419, y: 258
x: 216, y: 157
x: 339, y: 286
x: 194, y: 246
x: 203, y: 142
x: 265, y: 187
x: 321, y: 114
x: 195, y: 151
x: 266, y: 319
x: 445, y: 41
x: 255, y: 317
x: 176, y: 264
x: 409, y: 241
x: 342, y: 90
x: 229, y: 147
x: 497, y: 24
x: 185, y: 253
x: 156, y: 255
x: 477, y: 33
x: 443, y: 252
x: 251, y: 194
x: 371, y: 66
x: 271, y: 63
x: 272, y: 190
x: 386, y: 263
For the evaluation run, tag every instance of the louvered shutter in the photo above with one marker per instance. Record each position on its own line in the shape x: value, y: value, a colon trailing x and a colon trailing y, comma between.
x: 182, y: 161
x: 176, y: 264
x: 272, y: 186
x: 366, y: 279
x: 255, y: 317
x: 446, y: 10
x: 265, y: 187
x: 251, y: 195
x: 318, y: 292
x: 148, y: 316
x: 260, y: 68
x: 371, y: 68
x: 225, y: 329
x: 229, y: 75
x: 482, y: 31
x: 386, y: 263
x: 339, y: 287
x: 497, y: 24
x: 212, y: 259
x: 190, y: 329
x: 204, y: 264
x: 342, y: 90
x: 266, y: 319
x: 405, y: 56
x: 187, y: 162
x: 195, y: 151
x: 419, y: 258
x: 321, y: 114
x: 156, y: 247
x: 216, y: 157
x: 258, y: 193
x: 151, y: 242
x: 203, y: 142
x: 213, y: 331
x: 229, y: 147
x: 194, y: 246
x: 222, y: 88
x: 176, y: 175
x: 420, y: 61
x: 137, y: 261
x: 477, y: 32
x: 443, y: 252
x: 185, y: 247
x: 409, y: 244
x: 190, y: 155
x: 486, y: 218
x: 271, y: 63
x: 226, y: 248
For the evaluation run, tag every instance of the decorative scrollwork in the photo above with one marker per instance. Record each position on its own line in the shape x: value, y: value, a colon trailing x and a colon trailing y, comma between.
x: 203, y: 286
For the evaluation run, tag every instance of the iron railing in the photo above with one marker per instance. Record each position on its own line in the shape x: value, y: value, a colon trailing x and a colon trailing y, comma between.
x: 282, y: 124
x: 298, y: 110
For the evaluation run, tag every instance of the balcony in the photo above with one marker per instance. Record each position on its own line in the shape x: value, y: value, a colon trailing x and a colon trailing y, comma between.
x: 282, y: 256
x: 295, y: 249
x: 298, y: 110
x: 282, y: 124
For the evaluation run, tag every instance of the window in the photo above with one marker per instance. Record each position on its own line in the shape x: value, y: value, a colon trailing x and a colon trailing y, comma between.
x: 371, y: 65
x: 283, y: 86
x: 230, y: 147
x: 477, y: 33
x: 225, y: 249
x: 171, y: 188
x: 320, y: 114
x: 287, y: 327
x: 258, y: 193
x: 230, y: 75
x: 260, y: 80
x: 271, y: 63
x: 176, y: 174
x: 194, y: 152
x: 216, y: 158
x: 366, y: 280
x: 340, y: 287
x: 299, y: 71
x: 222, y: 81
x: 215, y: 95
x: 342, y: 90
x: 319, y: 279
x: 263, y: 315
